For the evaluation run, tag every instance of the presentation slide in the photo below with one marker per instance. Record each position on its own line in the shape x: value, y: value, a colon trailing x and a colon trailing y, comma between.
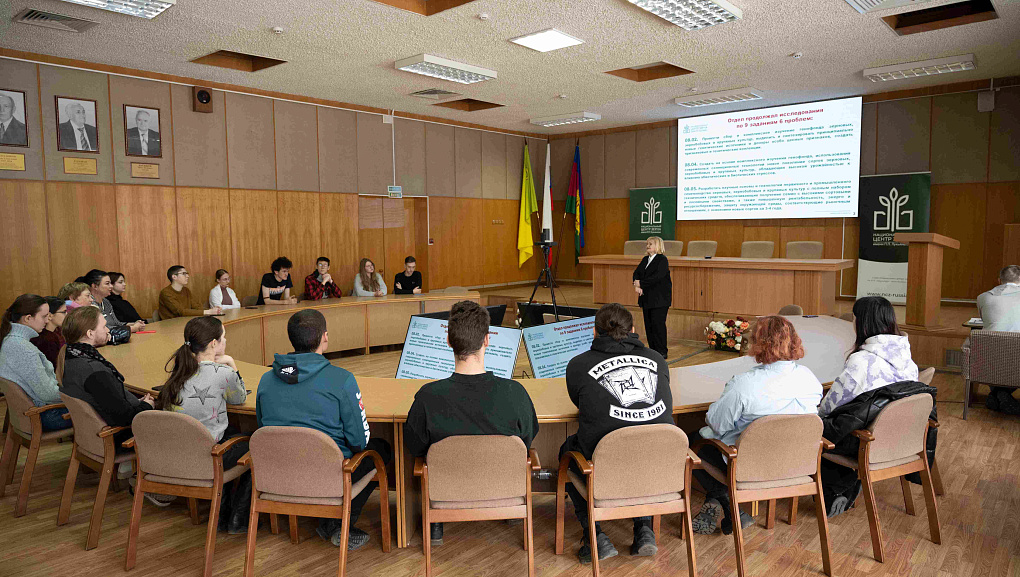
x: 799, y: 161
x: 426, y: 354
x: 550, y: 347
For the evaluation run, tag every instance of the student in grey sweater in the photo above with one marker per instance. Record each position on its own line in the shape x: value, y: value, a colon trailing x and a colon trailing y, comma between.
x: 23, y: 363
x: 203, y: 380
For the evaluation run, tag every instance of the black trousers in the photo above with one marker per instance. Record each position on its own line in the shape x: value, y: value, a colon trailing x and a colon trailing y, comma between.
x: 655, y: 329
x: 581, y: 503
x: 837, y: 480
x: 380, y: 446
x: 713, y: 488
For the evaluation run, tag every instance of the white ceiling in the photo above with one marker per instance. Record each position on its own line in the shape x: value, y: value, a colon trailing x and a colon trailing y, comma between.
x: 344, y: 50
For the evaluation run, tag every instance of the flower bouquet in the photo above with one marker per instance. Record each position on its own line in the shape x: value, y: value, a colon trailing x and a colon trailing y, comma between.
x: 727, y: 335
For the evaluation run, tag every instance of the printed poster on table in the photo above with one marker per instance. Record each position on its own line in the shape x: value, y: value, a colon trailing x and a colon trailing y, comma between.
x: 889, y: 204
x: 550, y: 347
x: 427, y: 355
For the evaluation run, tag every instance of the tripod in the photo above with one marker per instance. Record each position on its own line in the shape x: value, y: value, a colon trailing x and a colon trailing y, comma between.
x: 547, y: 274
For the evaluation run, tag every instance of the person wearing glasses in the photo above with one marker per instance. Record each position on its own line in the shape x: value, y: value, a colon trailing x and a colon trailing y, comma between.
x: 320, y: 284
x: 51, y: 338
x: 176, y: 300
x: 222, y: 295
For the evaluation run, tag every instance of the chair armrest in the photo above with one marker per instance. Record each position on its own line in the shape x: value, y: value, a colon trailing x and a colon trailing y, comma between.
x: 43, y: 409
x: 110, y: 431
x: 827, y: 444
x: 728, y: 450
x: 66, y: 416
x: 533, y: 459
x: 864, y: 435
x: 695, y: 459
x: 419, y: 466
x: 351, y: 464
x: 218, y: 450
x: 245, y: 460
x: 582, y: 463
x: 129, y: 444
x: 933, y: 424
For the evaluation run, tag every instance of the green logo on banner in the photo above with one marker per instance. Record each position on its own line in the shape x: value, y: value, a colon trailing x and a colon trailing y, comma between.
x: 653, y: 213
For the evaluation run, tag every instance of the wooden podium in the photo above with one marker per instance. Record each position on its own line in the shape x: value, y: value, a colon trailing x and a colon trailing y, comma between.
x: 924, y: 277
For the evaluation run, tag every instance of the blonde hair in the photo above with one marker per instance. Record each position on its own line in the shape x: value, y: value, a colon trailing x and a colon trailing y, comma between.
x: 72, y: 290
x: 657, y: 244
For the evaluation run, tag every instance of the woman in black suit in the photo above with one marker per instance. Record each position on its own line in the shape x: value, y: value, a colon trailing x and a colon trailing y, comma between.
x: 655, y: 293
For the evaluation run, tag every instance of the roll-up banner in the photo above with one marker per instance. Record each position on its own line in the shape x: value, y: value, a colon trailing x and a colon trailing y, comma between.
x: 653, y: 213
x: 889, y: 203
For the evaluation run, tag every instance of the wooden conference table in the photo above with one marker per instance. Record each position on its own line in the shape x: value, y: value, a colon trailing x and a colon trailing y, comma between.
x: 727, y: 284
x: 254, y: 334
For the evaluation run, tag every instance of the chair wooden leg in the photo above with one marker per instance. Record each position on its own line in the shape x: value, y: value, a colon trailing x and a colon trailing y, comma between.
x: 384, y: 509
x: 876, y: 527
x: 936, y: 478
x: 274, y: 523
x: 10, y: 460
x: 656, y: 525
x: 193, y: 511
x: 253, y: 527
x: 688, y: 528
x: 908, y: 501
x: 426, y: 535
x: 529, y: 536
x: 561, y: 495
x: 210, y: 532
x: 793, y: 510
x: 96, y: 524
x: 69, y: 481
x: 593, y: 541
x: 26, y: 477
x: 930, y: 504
x: 738, y: 533
x: 823, y: 526
x: 136, y: 519
x: 292, y: 521
x: 770, y: 517
x: 345, y: 529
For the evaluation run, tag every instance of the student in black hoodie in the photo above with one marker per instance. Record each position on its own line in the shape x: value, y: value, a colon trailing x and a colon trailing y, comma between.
x: 618, y: 383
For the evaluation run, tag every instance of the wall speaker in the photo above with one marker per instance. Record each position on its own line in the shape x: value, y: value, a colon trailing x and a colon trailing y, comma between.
x: 201, y: 99
x: 986, y: 101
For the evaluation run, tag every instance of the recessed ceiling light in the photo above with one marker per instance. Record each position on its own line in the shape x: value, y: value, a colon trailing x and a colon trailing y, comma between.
x: 721, y: 97
x: 691, y: 14
x: 142, y: 8
x: 547, y: 40
x: 922, y: 68
x: 436, y: 67
x: 572, y: 118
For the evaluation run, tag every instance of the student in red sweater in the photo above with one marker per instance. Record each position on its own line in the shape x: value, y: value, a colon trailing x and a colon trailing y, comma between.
x: 320, y: 284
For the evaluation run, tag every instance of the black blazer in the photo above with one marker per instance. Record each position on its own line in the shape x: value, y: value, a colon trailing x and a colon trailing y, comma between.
x: 655, y: 282
x: 68, y: 140
x: 15, y: 133
x: 134, y: 142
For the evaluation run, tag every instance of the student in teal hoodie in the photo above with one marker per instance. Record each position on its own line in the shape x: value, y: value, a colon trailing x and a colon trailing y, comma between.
x: 305, y: 390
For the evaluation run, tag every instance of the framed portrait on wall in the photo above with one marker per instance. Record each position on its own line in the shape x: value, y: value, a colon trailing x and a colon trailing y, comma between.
x: 141, y: 131
x: 76, y: 125
x: 13, y: 123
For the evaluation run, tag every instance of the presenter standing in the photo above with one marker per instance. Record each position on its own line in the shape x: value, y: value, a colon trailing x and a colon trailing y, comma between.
x: 655, y: 293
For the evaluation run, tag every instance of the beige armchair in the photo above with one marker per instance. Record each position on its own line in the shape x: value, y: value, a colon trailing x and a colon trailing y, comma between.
x: 702, y: 248
x: 634, y: 247
x: 804, y: 249
x: 791, y: 310
x: 992, y: 359
x: 757, y: 249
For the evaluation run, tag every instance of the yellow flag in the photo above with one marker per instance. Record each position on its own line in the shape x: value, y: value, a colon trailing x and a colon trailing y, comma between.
x: 529, y: 204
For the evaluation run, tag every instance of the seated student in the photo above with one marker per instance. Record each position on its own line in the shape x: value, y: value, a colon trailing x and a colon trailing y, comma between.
x: 368, y: 283
x: 407, y: 281
x: 75, y: 294
x: 124, y: 310
x: 222, y: 295
x: 175, y: 300
x: 319, y: 284
x: 51, y: 338
x: 1000, y: 311
x: 305, y: 390
x: 100, y: 288
x: 880, y: 357
x: 471, y: 401
x: 22, y: 363
x: 599, y: 397
x: 203, y: 379
x: 276, y: 285
x: 776, y: 386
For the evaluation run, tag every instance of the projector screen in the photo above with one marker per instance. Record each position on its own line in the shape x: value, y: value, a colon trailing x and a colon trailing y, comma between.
x: 799, y: 161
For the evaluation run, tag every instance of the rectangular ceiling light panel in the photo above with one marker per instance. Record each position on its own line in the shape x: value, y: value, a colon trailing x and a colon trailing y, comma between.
x: 721, y: 97
x: 572, y: 118
x: 436, y: 67
x: 691, y: 14
x: 547, y: 40
x: 142, y: 8
x: 864, y: 6
x: 923, y: 68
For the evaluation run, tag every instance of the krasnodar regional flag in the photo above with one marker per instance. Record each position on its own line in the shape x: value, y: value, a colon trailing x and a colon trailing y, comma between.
x: 525, y: 242
x: 547, y: 222
x: 575, y: 203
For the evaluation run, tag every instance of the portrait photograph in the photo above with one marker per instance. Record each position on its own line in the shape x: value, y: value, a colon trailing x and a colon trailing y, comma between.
x: 13, y: 126
x: 141, y: 131
x: 76, y: 125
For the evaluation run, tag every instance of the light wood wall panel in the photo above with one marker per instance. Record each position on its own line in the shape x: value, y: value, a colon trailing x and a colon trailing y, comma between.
x: 652, y: 157
x: 371, y: 236
x: 297, y: 144
x: 82, y: 223
x: 494, y: 165
x: 869, y: 138
x: 468, y: 155
x: 145, y: 94
x: 338, y: 150
x: 621, y: 148
x: 562, y: 160
x: 958, y: 211
x: 959, y: 139
x: 200, y: 155
x: 24, y: 76
x: 339, y: 223
x: 904, y: 136
x: 1002, y: 208
x: 399, y: 236
x: 440, y: 160
x: 593, y: 166
x: 375, y: 154
x: 421, y: 240
x: 468, y: 231
x: 148, y: 246
x: 410, y: 153
x: 499, y: 241
x: 76, y: 84
x: 1004, y: 145
x: 254, y: 238
x: 251, y: 137
x: 204, y: 235
x: 514, y: 166
x: 298, y: 219
x: 25, y: 256
x: 446, y: 255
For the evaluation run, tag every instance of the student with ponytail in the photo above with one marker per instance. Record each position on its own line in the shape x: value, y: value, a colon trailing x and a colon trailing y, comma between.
x: 22, y: 363
x: 203, y: 380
